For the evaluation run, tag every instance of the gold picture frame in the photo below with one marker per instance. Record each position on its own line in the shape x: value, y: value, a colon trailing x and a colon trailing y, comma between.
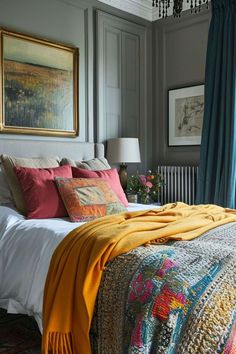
x: 38, y: 86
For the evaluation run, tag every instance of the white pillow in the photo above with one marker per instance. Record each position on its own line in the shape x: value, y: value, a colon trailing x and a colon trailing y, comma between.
x: 5, y: 193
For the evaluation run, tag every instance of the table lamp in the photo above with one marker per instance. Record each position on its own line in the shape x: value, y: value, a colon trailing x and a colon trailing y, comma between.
x: 123, y: 151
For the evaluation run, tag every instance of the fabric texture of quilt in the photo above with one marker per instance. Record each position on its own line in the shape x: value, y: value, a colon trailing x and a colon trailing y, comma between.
x: 176, y: 298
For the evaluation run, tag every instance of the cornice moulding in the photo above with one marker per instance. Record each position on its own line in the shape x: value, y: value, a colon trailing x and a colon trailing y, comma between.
x: 142, y: 8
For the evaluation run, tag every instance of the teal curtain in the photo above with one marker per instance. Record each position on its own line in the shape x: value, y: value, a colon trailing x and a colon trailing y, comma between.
x: 217, y: 169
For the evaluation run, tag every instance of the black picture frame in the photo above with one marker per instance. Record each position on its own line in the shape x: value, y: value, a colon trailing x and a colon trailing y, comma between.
x: 185, y: 115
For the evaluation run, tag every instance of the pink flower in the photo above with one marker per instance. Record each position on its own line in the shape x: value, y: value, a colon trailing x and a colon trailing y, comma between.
x: 142, y: 179
x: 149, y: 184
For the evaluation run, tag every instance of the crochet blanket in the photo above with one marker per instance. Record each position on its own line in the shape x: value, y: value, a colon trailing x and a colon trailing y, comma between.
x: 177, y: 298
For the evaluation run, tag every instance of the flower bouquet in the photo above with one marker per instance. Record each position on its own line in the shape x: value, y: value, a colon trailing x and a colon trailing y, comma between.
x: 147, y: 187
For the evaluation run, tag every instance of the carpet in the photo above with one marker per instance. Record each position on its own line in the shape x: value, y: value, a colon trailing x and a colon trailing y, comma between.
x: 19, y: 334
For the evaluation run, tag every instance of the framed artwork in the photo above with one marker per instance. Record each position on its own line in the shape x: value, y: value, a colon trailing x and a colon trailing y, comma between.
x: 186, y: 108
x: 39, y: 86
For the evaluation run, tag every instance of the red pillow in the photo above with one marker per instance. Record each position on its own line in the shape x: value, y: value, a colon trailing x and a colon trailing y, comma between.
x: 40, y: 191
x: 111, y: 176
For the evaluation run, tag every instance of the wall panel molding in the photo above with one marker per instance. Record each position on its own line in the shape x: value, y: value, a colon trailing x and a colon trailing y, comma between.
x: 180, y: 50
x: 125, y: 105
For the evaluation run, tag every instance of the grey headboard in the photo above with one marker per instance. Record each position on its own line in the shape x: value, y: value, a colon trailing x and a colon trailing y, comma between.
x: 33, y: 148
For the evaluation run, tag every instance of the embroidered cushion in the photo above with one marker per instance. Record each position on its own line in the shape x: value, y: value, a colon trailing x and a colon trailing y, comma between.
x: 88, y: 198
x: 40, y: 191
x: 111, y: 176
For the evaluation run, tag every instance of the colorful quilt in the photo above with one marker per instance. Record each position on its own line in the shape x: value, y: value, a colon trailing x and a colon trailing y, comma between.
x: 176, y: 298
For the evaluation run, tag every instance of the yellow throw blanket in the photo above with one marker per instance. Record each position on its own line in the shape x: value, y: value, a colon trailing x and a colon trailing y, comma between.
x: 76, y: 267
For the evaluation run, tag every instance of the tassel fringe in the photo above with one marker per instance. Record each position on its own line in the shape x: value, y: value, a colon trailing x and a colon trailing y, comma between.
x: 58, y: 343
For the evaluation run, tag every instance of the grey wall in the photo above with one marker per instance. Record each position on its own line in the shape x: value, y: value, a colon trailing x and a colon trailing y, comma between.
x: 72, y: 22
x: 175, y: 51
x: 56, y: 21
x: 179, y: 54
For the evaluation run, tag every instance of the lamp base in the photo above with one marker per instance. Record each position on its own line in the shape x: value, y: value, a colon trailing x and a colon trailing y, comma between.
x: 123, y: 176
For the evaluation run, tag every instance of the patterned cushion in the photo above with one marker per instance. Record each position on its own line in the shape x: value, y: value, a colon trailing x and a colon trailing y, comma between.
x: 10, y: 162
x: 96, y: 164
x: 88, y: 198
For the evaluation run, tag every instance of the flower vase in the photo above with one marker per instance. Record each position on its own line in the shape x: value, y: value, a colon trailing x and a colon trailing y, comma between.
x: 144, y: 198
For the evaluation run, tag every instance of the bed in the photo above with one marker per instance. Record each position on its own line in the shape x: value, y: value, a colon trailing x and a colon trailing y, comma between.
x: 178, y: 297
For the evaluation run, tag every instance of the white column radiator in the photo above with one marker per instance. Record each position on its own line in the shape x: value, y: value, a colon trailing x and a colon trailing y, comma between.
x: 180, y: 184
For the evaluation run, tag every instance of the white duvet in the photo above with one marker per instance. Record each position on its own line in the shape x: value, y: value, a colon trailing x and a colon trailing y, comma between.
x: 26, y: 247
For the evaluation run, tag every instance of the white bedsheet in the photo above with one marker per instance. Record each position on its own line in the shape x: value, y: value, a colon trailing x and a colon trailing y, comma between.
x: 26, y: 247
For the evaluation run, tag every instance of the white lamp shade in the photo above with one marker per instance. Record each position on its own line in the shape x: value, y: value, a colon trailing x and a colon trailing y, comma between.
x: 123, y: 150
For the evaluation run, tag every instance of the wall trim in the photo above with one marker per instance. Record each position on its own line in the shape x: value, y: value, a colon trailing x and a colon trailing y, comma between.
x: 161, y: 30
x: 143, y: 8
x: 134, y: 7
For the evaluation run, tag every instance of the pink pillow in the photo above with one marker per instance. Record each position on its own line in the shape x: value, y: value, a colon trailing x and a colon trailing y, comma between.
x: 111, y: 176
x: 40, y: 191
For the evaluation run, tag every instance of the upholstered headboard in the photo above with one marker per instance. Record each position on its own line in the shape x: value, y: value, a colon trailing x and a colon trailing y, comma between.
x: 35, y: 148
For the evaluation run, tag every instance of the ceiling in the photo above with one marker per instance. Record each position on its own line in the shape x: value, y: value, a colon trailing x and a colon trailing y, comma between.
x: 141, y: 8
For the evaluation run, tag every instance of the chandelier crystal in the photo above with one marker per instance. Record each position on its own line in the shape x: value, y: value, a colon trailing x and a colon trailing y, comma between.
x: 164, y: 5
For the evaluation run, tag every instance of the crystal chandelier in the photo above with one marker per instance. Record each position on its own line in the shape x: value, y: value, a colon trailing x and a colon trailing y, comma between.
x: 164, y: 5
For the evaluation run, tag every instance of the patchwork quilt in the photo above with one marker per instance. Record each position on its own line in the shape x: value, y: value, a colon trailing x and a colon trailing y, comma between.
x: 176, y: 298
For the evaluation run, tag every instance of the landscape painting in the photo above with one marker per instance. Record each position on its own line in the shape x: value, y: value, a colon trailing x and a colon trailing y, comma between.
x: 186, y: 109
x: 39, y: 86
